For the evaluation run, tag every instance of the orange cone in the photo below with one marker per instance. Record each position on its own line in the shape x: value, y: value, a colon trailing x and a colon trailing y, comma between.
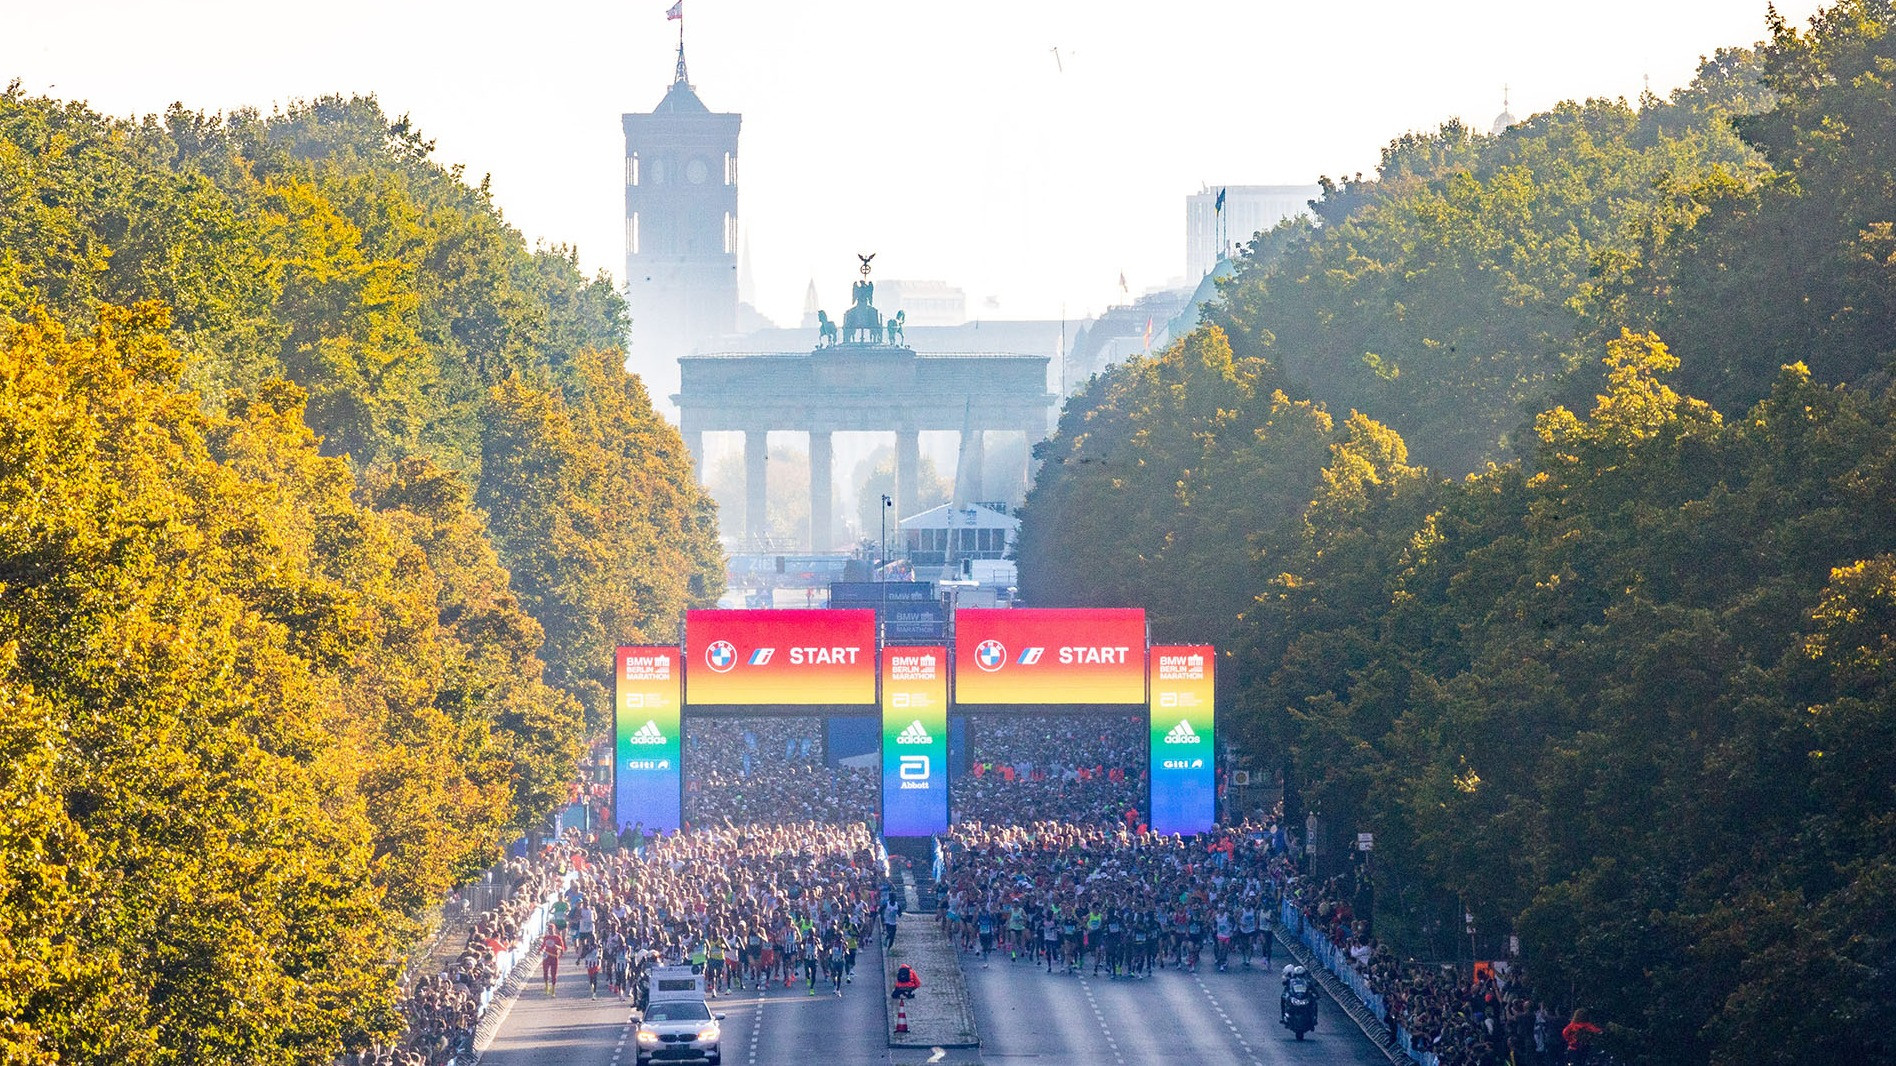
x: 901, y: 1015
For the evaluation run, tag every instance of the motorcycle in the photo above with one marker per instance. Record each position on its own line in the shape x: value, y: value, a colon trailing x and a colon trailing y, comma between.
x: 1299, y: 1004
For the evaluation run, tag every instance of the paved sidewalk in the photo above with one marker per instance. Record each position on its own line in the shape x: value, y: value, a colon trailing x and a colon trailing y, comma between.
x: 941, y: 1014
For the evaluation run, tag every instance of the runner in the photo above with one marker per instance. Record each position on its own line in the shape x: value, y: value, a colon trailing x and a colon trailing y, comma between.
x: 552, y: 946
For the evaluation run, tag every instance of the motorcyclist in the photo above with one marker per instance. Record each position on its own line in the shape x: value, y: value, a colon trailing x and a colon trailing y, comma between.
x: 1297, y: 976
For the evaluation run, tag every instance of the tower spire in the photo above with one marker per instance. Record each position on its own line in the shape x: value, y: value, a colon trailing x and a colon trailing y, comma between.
x: 677, y: 12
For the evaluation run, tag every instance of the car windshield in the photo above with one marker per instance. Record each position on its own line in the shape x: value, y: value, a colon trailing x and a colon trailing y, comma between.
x: 685, y: 1011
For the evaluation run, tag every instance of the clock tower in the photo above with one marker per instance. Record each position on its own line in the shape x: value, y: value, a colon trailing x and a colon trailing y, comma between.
x: 680, y: 231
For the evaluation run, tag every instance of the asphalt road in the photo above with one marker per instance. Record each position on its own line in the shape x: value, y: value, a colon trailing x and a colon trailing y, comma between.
x: 1025, y: 1015
x: 782, y: 1027
x: 1028, y: 1015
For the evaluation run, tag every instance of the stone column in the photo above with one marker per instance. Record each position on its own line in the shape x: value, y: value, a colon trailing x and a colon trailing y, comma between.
x: 1024, y: 477
x: 822, y: 539
x: 756, y: 456
x: 973, y: 454
x: 908, y: 470
x: 694, y: 443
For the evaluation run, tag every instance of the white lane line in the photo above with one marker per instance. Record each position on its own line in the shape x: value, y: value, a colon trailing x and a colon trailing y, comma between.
x: 1111, y: 1044
x: 940, y: 1053
x: 1229, y: 1024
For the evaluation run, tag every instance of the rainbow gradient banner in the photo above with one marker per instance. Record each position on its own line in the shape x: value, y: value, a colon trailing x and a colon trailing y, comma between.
x: 914, y: 741
x: 1040, y: 656
x: 780, y: 657
x: 647, y: 769
x: 1184, y: 722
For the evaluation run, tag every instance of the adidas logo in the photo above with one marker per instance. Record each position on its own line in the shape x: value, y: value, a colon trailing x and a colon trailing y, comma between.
x: 914, y: 734
x: 648, y: 733
x: 1181, y: 734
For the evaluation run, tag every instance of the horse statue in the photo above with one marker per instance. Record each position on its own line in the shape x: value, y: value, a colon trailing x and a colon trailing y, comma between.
x: 895, y: 328
x: 825, y: 330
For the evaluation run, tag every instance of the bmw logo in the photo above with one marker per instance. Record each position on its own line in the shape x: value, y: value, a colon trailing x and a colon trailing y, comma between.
x: 720, y: 656
x: 990, y: 655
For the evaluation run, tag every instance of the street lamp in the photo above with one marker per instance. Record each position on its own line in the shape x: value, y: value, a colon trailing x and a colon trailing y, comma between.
x: 884, y: 561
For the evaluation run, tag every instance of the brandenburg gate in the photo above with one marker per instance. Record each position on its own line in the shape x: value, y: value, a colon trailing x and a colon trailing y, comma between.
x: 861, y: 377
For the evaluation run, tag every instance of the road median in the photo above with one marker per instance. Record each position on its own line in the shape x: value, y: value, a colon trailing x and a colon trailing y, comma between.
x: 940, y: 1014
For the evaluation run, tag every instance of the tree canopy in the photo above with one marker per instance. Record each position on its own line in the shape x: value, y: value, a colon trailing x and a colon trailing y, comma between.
x: 1585, y: 607
x: 323, y: 501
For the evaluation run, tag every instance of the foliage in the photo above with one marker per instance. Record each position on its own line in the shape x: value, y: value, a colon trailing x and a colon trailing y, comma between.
x: 323, y: 500
x: 1627, y: 694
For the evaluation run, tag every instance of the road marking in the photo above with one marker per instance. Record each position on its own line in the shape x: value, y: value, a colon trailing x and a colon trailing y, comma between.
x: 1111, y: 1044
x: 940, y: 1053
x: 1226, y: 1018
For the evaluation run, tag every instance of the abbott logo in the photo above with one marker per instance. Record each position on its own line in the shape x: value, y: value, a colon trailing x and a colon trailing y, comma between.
x: 720, y: 656
x: 648, y: 733
x: 1030, y: 656
x: 914, y: 734
x: 990, y: 655
x: 761, y: 657
x: 1181, y: 734
x: 912, y: 768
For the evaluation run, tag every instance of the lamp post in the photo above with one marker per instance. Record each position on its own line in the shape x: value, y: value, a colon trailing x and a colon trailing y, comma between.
x: 884, y: 561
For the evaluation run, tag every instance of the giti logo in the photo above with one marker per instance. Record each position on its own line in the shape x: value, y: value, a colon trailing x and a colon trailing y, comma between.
x: 1181, y: 734
x: 761, y: 657
x: 649, y: 733
x: 990, y: 655
x: 1030, y: 656
x: 720, y: 656
x: 914, y: 734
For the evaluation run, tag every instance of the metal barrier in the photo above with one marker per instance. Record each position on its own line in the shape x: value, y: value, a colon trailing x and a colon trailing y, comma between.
x: 1338, y: 963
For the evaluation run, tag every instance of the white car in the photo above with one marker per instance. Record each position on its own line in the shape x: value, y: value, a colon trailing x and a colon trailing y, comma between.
x: 678, y: 1030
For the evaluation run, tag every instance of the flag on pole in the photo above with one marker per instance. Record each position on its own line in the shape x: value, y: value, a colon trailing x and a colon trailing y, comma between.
x: 1122, y: 282
x: 1221, y: 192
x: 677, y: 11
x: 1148, y: 334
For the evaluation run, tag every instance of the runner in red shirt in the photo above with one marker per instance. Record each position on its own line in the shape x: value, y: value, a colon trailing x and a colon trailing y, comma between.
x: 550, y: 950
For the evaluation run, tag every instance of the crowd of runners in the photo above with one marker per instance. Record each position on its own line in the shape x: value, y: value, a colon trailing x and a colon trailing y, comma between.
x: 1049, y: 864
x: 755, y: 907
x: 1083, y: 770
x: 769, y: 771
x: 1118, y: 901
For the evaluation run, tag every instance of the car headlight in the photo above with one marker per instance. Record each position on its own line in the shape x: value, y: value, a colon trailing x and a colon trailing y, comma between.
x: 709, y: 1032
x: 646, y: 1036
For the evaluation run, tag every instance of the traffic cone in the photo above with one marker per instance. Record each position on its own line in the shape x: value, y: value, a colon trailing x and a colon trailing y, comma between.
x: 901, y: 1014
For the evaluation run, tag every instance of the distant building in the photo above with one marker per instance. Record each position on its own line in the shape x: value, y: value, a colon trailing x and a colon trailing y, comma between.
x: 1503, y: 120
x: 680, y: 231
x: 927, y: 303
x: 948, y: 535
x: 1248, y: 210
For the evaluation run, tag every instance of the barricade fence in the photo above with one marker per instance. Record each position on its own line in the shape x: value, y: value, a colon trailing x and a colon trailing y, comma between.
x: 1337, y: 962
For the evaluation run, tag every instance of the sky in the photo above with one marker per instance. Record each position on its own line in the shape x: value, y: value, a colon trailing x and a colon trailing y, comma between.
x: 948, y: 138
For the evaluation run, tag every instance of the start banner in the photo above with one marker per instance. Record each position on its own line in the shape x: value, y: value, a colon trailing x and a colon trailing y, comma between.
x: 1038, y: 656
x: 914, y: 741
x: 792, y: 657
x: 1184, y: 768
x: 646, y: 772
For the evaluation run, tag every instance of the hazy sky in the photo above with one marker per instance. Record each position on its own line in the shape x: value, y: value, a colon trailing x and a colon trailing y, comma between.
x: 943, y: 136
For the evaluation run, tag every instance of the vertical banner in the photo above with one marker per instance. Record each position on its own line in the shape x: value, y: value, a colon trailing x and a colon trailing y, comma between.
x: 914, y: 741
x: 1184, y: 771
x: 647, y: 770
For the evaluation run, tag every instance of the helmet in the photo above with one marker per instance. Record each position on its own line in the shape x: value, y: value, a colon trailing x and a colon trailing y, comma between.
x: 1298, y: 971
x: 1289, y: 968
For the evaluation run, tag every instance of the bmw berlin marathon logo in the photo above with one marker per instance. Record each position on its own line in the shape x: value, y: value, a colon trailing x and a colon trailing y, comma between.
x: 914, y: 734
x: 721, y: 656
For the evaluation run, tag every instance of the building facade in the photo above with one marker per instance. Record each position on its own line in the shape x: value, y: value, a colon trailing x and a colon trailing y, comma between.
x: 1248, y: 210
